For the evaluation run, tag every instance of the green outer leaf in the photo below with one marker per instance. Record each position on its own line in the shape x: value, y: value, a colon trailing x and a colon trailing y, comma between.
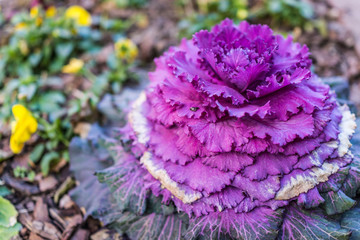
x: 351, y: 221
x: 335, y: 181
x: 261, y: 223
x: 87, y: 156
x: 337, y: 202
x: 8, y: 213
x: 7, y: 233
x: 168, y: 225
x: 155, y: 226
x: 351, y: 186
x: 4, y: 191
x: 301, y: 224
x: 124, y: 180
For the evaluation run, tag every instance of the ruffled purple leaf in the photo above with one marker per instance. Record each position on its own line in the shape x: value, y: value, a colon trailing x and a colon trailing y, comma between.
x: 282, y: 132
x: 163, y: 140
x: 199, y: 176
x: 228, y: 161
x: 232, y: 134
x: 270, y: 164
x: 335, y: 181
x: 262, y: 190
x: 311, y: 199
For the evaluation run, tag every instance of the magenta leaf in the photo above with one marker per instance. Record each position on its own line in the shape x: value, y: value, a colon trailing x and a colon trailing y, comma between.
x: 270, y: 164
x: 199, y: 176
x: 311, y: 199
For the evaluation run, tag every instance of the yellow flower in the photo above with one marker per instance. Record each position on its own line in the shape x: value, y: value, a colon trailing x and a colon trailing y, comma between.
x: 79, y: 14
x: 125, y: 49
x: 38, y: 21
x: 20, y: 26
x: 74, y: 66
x: 242, y: 14
x: 23, y: 47
x: 22, y: 128
x: 34, y: 12
x: 50, y: 12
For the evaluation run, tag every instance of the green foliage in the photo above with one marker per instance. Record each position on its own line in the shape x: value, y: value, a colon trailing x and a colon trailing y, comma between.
x: 119, y: 73
x: 44, y: 44
x: 22, y: 172
x: 211, y: 12
x: 277, y: 13
x: 30, y: 66
x: 9, y: 227
x: 129, y: 3
x: 289, y: 12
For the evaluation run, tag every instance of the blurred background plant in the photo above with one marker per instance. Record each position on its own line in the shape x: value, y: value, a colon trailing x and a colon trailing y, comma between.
x: 203, y: 14
x: 279, y: 14
x: 129, y: 3
x: 47, y: 66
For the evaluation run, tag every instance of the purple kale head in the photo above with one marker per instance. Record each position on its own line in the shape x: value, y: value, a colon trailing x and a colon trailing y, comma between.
x: 233, y: 130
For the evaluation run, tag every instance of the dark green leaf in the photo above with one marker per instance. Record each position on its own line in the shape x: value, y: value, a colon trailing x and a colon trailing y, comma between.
x: 86, y: 157
x: 7, y: 233
x: 302, y: 224
x: 63, y: 50
x: 8, y: 213
x: 37, y: 153
x: 126, y: 185
x: 351, y: 221
x: 47, y: 160
x: 351, y: 185
x: 35, y: 58
x: 337, y: 202
x: 260, y: 223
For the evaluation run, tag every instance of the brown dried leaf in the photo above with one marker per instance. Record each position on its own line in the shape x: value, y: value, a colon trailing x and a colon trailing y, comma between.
x: 82, y: 128
x: 47, y: 183
x: 41, y: 211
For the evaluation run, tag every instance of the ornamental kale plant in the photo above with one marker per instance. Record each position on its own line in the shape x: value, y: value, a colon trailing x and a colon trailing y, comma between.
x: 235, y: 138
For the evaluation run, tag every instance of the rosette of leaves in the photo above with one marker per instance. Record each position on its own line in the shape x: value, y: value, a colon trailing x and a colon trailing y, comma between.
x: 235, y: 138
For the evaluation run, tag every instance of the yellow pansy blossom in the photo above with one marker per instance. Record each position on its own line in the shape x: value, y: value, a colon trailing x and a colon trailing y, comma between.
x: 242, y: 14
x: 74, y: 66
x: 79, y: 14
x: 125, y: 49
x: 20, y: 26
x: 23, y: 47
x: 34, y: 11
x: 22, y: 128
x: 38, y: 21
x: 50, y: 12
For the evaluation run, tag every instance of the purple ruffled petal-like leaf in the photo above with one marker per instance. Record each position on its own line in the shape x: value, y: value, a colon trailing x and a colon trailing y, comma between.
x: 228, y: 161
x: 270, y: 164
x: 199, y: 176
x: 261, y: 190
